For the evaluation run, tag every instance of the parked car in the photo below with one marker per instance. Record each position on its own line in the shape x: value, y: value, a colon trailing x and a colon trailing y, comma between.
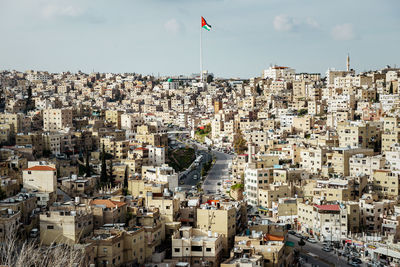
x: 298, y: 235
x: 356, y: 260
x: 34, y: 233
x: 312, y: 240
x: 219, y: 183
x: 326, y: 249
x: 354, y: 264
x: 292, y: 232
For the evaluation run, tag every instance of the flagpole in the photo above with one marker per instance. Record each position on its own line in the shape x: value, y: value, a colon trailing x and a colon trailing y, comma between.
x: 201, y: 55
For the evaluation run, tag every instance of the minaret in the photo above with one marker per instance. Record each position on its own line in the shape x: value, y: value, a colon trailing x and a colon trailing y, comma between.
x: 348, y: 62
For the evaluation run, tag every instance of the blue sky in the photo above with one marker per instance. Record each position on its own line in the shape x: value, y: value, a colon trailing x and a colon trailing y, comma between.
x: 162, y: 36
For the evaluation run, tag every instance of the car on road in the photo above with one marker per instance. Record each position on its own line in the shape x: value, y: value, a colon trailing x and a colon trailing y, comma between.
x: 195, y: 177
x: 298, y: 235
x: 354, y: 264
x: 219, y: 183
x: 326, y: 249
x: 292, y: 232
x: 312, y: 240
x: 356, y: 260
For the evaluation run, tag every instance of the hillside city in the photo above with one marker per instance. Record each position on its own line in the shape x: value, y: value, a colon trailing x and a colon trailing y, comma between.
x: 284, y: 169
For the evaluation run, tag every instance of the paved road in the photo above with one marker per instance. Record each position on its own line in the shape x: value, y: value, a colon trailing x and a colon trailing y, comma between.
x: 218, y: 172
x: 315, y: 255
x: 188, y: 179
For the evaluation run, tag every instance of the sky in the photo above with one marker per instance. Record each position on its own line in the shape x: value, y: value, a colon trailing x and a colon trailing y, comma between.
x: 162, y: 37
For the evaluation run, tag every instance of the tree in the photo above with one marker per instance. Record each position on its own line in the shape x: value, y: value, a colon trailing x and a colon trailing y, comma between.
x: 18, y: 253
x: 111, y: 177
x: 258, y: 89
x: 3, y: 194
x: 125, y: 190
x: 391, y: 88
x: 88, y: 170
x: 103, y: 174
x: 239, y: 144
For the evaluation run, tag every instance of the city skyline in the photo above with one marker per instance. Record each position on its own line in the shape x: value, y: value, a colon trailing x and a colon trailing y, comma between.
x: 156, y: 36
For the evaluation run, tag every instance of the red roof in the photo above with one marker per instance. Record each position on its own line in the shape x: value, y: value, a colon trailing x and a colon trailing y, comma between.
x: 108, y: 203
x: 141, y: 148
x: 328, y: 207
x: 40, y: 168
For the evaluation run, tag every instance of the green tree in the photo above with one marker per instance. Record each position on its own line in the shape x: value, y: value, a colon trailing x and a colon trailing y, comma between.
x: 111, y: 177
x: 258, y: 89
x: 126, y: 176
x: 240, y: 143
x: 3, y: 194
x: 391, y: 88
x: 103, y: 174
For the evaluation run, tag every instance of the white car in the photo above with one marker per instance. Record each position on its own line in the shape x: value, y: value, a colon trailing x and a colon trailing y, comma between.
x: 312, y: 240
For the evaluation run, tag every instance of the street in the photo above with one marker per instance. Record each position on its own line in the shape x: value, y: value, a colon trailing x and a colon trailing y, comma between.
x: 315, y: 255
x: 218, y: 172
x: 188, y: 180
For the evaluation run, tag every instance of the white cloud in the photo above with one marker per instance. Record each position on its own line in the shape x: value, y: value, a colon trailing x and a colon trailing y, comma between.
x: 343, y: 32
x: 52, y: 11
x: 285, y: 23
x: 174, y: 26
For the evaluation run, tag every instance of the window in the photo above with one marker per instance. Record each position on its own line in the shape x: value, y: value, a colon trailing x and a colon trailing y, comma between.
x: 197, y: 248
x: 177, y: 249
x: 50, y: 226
x: 208, y: 249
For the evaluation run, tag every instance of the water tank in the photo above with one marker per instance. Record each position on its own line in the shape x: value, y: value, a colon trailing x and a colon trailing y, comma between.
x: 209, y: 233
x: 74, y: 176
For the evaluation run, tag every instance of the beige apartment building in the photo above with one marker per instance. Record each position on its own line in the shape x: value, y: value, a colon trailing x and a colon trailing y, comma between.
x: 313, y: 158
x: 340, y: 158
x: 360, y: 164
x: 326, y: 222
x: 220, y: 220
x: 386, y: 183
x: 114, y: 116
x: 357, y: 135
x: 390, y: 138
x: 271, y: 247
x: 330, y: 190
x: 119, y: 149
x: 168, y: 206
x: 140, y: 188
x: 197, y: 247
x: 107, y: 211
x: 272, y: 193
x: 115, y: 247
x: 154, y: 227
x: 9, y: 223
x: 65, y: 226
x: 15, y: 119
x: 57, y: 119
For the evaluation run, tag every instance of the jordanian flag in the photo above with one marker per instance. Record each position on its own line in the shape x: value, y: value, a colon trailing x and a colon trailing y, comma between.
x: 205, y: 25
